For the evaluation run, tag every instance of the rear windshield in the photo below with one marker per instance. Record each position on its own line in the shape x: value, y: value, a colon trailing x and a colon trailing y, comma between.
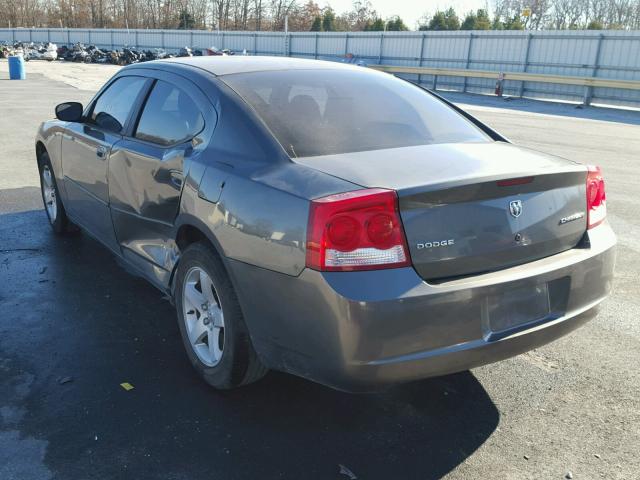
x: 326, y: 112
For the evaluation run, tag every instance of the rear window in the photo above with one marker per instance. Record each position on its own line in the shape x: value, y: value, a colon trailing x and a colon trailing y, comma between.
x: 326, y: 112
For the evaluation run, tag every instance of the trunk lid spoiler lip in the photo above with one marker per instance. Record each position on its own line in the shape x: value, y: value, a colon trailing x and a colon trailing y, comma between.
x: 415, y: 169
x: 488, y: 188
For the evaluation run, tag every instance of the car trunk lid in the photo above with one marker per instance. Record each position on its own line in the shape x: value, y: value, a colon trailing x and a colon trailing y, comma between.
x: 472, y: 208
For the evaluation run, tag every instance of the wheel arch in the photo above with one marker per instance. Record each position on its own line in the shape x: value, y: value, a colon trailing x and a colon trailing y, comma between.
x: 188, y: 234
x: 40, y: 149
x: 190, y: 230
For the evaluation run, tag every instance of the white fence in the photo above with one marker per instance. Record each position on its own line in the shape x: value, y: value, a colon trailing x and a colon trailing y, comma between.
x: 602, y: 54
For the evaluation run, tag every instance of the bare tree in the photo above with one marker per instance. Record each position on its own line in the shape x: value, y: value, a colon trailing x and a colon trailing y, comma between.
x: 259, y: 13
x: 619, y: 12
x: 568, y: 14
x: 280, y: 9
x: 596, y: 11
x: 538, y: 11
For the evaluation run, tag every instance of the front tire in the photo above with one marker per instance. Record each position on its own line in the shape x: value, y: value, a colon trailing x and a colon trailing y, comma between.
x: 56, y: 213
x: 211, y: 323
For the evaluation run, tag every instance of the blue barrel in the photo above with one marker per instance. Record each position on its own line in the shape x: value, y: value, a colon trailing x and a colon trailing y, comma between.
x: 16, y: 68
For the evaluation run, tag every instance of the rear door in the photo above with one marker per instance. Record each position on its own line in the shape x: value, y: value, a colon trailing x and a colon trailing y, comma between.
x: 147, y: 170
x: 86, y: 148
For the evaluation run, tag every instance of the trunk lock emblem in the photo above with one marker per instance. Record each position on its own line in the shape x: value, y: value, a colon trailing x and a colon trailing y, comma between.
x: 515, y: 208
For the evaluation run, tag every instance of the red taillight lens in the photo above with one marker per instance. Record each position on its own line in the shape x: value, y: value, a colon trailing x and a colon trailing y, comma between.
x: 596, y: 197
x: 359, y: 230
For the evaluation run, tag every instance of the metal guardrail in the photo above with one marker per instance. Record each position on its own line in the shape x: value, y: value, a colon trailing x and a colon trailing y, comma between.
x: 499, y: 77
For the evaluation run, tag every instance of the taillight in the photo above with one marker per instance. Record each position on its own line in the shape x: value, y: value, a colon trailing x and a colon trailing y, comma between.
x: 596, y: 198
x: 359, y: 230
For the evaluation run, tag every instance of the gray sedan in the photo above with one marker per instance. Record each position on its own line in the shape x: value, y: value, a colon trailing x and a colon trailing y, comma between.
x: 327, y: 220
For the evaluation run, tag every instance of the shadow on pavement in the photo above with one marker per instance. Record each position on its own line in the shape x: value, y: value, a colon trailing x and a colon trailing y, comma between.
x: 68, y: 310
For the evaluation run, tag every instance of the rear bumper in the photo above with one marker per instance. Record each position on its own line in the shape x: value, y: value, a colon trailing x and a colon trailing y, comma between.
x: 360, y: 331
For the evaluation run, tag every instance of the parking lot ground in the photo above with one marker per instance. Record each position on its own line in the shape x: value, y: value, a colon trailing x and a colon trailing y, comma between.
x: 74, y: 325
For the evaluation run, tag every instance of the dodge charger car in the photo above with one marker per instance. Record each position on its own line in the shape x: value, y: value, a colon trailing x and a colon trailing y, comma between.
x: 327, y: 220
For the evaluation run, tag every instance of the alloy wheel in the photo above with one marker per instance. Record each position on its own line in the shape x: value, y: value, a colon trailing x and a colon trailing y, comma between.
x: 203, y: 316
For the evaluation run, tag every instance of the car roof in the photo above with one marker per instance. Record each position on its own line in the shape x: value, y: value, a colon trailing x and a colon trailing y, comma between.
x: 226, y: 65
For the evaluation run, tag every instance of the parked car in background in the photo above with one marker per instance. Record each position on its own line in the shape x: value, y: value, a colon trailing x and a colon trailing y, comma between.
x: 327, y: 220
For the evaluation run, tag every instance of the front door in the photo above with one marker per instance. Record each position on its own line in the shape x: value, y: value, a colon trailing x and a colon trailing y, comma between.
x: 86, y: 148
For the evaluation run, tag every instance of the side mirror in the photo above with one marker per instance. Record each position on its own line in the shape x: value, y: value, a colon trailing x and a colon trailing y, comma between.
x: 106, y: 121
x: 69, y: 111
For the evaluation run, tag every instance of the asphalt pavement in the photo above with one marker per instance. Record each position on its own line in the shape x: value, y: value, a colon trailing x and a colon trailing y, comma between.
x: 74, y: 326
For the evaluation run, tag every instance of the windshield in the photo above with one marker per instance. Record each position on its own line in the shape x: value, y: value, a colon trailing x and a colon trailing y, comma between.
x: 326, y: 112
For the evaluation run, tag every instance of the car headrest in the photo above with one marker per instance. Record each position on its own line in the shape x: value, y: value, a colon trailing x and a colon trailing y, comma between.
x: 305, y: 108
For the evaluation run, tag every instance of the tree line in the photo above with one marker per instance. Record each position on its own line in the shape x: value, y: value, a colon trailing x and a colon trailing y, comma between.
x: 307, y: 15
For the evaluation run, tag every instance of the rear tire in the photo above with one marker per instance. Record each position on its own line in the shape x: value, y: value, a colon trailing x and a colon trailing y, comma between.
x: 53, y: 206
x: 211, y: 323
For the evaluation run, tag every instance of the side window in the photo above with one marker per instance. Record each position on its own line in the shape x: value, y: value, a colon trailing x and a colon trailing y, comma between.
x: 113, y: 106
x: 169, y: 116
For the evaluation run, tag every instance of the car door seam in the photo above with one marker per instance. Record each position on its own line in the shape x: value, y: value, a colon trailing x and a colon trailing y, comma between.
x: 134, y: 214
x: 91, y: 194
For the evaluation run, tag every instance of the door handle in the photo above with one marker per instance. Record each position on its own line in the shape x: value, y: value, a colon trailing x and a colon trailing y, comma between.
x: 101, y: 152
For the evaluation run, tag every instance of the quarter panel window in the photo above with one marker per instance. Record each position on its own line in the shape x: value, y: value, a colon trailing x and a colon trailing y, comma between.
x: 170, y: 116
x: 112, y: 108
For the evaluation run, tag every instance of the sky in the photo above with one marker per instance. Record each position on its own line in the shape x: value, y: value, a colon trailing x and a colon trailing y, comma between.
x: 409, y: 10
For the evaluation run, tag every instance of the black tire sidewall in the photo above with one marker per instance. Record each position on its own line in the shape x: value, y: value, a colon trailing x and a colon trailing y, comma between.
x: 60, y: 223
x: 231, y: 369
